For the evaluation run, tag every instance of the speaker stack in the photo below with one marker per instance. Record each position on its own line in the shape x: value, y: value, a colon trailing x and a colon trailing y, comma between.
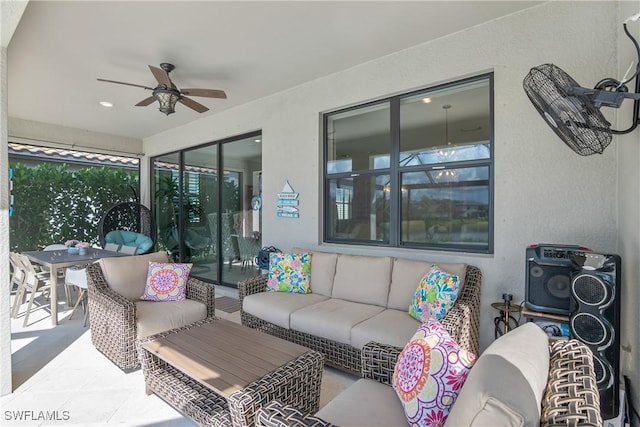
x: 595, y: 289
x: 584, y: 286
x: 548, y: 277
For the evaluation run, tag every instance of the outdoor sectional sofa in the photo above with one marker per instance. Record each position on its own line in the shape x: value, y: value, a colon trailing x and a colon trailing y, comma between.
x: 354, y: 300
x: 520, y: 380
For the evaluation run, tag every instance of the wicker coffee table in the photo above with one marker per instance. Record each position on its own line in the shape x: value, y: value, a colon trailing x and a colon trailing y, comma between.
x: 219, y: 373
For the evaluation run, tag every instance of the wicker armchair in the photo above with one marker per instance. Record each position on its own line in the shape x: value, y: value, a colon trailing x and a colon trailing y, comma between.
x: 570, y: 399
x: 114, y: 317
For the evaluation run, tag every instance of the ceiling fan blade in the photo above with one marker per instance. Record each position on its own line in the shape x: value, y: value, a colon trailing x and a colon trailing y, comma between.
x: 161, y: 76
x: 209, y: 93
x: 123, y: 83
x: 193, y: 104
x: 146, y: 101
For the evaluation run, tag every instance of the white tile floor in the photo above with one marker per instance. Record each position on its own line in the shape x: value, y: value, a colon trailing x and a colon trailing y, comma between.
x: 59, y: 378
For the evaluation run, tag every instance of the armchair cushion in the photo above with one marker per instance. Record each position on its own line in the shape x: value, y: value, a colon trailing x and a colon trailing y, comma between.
x: 365, y: 402
x: 166, y: 281
x: 127, y: 276
x: 153, y: 318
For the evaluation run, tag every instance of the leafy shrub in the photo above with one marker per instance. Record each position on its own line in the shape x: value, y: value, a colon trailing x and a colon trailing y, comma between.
x: 53, y: 203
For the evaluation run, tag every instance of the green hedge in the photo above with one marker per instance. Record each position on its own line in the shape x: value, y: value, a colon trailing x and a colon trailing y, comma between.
x: 53, y: 203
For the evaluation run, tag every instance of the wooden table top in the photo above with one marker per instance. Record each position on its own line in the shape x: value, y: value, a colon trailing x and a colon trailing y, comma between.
x: 224, y: 355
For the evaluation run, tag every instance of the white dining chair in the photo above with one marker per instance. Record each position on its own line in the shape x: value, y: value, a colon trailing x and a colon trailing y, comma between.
x: 77, y: 277
x: 18, y: 275
x: 130, y: 250
x: 113, y: 247
x: 32, y: 283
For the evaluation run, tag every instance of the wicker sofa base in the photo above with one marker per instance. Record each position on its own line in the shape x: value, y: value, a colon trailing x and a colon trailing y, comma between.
x: 337, y: 355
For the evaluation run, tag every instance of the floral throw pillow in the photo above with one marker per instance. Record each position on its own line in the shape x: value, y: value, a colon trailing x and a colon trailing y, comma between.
x: 166, y: 281
x: 436, y: 294
x: 429, y: 374
x: 289, y: 272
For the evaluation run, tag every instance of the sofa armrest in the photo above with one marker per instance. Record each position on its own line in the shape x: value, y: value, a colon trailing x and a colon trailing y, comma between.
x: 252, y: 286
x: 571, y: 396
x: 275, y: 414
x: 203, y: 292
x: 463, y: 319
x: 379, y: 361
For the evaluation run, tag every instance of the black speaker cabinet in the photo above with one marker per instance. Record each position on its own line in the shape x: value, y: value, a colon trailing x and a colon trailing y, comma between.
x: 548, y: 277
x: 596, y: 322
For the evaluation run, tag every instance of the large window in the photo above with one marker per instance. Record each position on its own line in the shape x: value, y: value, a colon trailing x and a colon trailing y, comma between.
x: 414, y: 170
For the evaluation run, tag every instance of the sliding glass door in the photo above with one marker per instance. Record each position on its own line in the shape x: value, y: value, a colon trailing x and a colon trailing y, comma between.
x: 203, y: 207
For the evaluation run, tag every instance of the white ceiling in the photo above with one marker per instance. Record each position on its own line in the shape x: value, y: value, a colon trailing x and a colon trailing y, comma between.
x: 248, y: 49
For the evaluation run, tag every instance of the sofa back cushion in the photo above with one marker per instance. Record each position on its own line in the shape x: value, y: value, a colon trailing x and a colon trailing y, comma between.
x: 506, y: 385
x: 128, y: 275
x: 323, y: 269
x: 406, y: 276
x: 363, y: 279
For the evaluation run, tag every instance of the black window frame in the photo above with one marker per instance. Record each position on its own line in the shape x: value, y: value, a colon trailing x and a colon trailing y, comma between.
x: 396, y: 170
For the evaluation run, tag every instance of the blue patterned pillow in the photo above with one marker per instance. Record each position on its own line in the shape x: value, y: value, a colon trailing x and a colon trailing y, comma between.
x: 436, y: 294
x: 289, y: 272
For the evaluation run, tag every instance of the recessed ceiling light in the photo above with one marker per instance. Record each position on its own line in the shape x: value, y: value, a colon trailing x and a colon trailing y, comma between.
x: 257, y: 140
x: 106, y: 104
x: 426, y: 100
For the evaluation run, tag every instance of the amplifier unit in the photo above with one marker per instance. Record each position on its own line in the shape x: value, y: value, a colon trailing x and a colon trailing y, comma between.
x: 548, y: 272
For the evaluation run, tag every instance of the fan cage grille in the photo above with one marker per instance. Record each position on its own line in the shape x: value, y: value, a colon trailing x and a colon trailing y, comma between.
x: 575, y: 119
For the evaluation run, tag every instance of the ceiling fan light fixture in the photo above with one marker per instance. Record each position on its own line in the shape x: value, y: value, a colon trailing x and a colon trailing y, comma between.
x: 167, y: 98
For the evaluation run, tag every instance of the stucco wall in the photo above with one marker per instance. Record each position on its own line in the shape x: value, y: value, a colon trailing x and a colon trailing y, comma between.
x: 543, y: 191
x: 629, y: 215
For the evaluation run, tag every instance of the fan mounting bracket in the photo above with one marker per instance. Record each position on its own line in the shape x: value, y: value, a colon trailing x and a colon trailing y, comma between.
x: 167, y: 67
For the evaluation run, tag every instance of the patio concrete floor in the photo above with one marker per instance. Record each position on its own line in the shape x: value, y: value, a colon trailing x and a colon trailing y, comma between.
x: 59, y: 378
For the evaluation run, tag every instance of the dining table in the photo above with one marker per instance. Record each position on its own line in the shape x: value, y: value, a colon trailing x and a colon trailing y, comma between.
x: 57, y: 259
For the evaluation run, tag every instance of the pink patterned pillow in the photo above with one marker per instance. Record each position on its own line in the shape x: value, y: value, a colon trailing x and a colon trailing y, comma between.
x: 429, y: 374
x: 166, y: 281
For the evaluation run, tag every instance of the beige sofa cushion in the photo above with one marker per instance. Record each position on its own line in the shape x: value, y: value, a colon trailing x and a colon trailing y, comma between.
x: 508, y: 380
x: 365, y: 403
x: 406, y: 276
x: 392, y: 327
x: 363, y: 279
x: 332, y: 319
x: 153, y: 317
x: 276, y: 307
x: 128, y: 275
x: 323, y: 269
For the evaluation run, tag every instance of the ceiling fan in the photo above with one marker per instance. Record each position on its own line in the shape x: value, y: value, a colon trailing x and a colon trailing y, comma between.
x: 167, y: 94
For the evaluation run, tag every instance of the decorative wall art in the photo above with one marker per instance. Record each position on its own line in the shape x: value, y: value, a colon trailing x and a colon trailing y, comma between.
x: 287, y: 206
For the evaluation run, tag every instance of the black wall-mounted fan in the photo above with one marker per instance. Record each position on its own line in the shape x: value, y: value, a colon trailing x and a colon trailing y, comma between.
x: 167, y: 94
x: 573, y: 112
